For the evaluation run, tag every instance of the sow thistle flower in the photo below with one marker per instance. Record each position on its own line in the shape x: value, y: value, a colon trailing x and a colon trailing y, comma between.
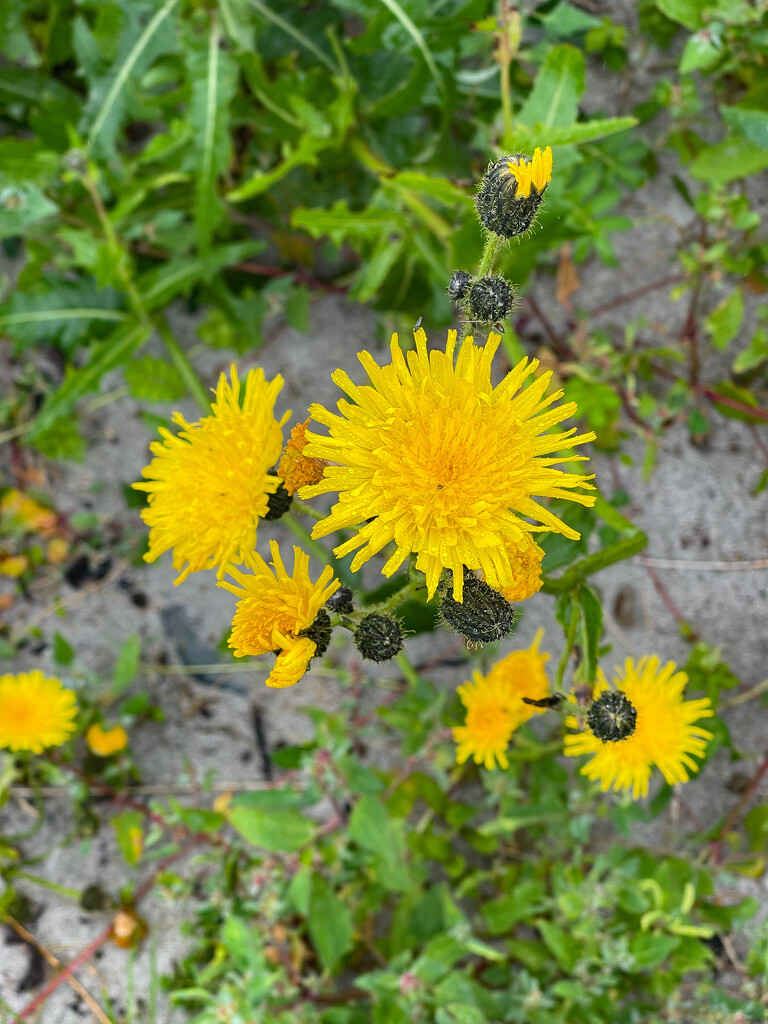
x: 511, y: 192
x: 280, y: 612
x: 36, y: 711
x: 431, y: 456
x: 661, y: 734
x: 209, y: 485
x: 495, y: 705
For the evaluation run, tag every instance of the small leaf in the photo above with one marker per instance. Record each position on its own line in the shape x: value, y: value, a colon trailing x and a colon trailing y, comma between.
x: 154, y: 380
x: 684, y: 12
x: 650, y: 949
x: 126, y: 664
x: 329, y: 921
x: 560, y: 82
x: 730, y: 160
x: 129, y: 835
x: 297, y: 308
x: 62, y: 650
x: 751, y: 123
x: 591, y: 629
x: 275, y: 830
x: 724, y: 322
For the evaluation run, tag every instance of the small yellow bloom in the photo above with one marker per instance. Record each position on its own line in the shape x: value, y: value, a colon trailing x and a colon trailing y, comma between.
x: 525, y: 561
x: 275, y: 609
x: 295, y: 469
x: 495, y: 706
x: 664, y: 735
x: 57, y: 550
x: 209, y: 486
x: 13, y: 565
x: 536, y: 173
x: 21, y: 514
x: 105, y: 742
x: 431, y: 456
x: 36, y: 711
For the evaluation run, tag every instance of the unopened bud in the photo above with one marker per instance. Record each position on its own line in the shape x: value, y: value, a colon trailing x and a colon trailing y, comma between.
x: 319, y: 632
x: 612, y: 717
x: 341, y: 602
x: 278, y: 503
x: 379, y: 637
x: 483, y: 616
x: 511, y: 192
x: 490, y: 299
x: 459, y: 284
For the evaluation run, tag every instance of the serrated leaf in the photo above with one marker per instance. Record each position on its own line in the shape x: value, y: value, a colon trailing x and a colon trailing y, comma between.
x: 580, y: 131
x: 560, y: 82
x: 724, y: 322
x: 154, y: 380
x: 278, y: 831
x: 329, y: 922
x: 340, y: 223
x: 60, y: 313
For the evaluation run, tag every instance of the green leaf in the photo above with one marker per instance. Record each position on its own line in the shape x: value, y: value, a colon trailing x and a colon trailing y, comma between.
x: 128, y: 832
x: 108, y: 103
x: 341, y: 223
x: 213, y: 75
x: 109, y: 354
x: 724, y: 322
x: 275, y: 830
x: 650, y: 949
x: 329, y: 922
x: 755, y: 354
x: 566, y: 949
x: 751, y: 123
x: 297, y: 308
x: 22, y: 206
x: 684, y: 12
x: 154, y: 380
x: 701, y: 53
x: 62, y: 650
x: 554, y: 98
x: 437, y: 188
x: 580, y: 131
x: 126, y: 664
x: 61, y: 440
x: 591, y: 629
x: 459, y: 1013
x: 23, y: 161
x: 728, y: 161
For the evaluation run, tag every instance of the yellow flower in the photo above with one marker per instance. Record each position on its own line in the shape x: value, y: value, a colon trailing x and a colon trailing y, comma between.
x: 536, y: 172
x: 209, y: 485
x: 495, y: 706
x: 525, y: 559
x: 434, y: 458
x: 276, y: 610
x: 664, y: 735
x: 36, y: 711
x: 295, y: 469
x: 105, y: 742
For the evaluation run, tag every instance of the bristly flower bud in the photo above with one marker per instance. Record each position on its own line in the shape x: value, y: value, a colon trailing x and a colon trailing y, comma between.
x: 341, y: 602
x: 484, y: 615
x: 379, y: 637
x: 320, y: 631
x: 459, y: 284
x: 612, y: 717
x: 278, y: 503
x: 511, y: 191
x: 490, y: 299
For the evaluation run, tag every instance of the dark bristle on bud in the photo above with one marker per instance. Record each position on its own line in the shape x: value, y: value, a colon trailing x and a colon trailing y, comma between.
x: 490, y: 299
x: 459, y: 284
x: 278, y: 503
x: 320, y: 631
x: 341, y: 602
x: 612, y: 717
x: 498, y: 205
x: 483, y: 617
x: 379, y: 637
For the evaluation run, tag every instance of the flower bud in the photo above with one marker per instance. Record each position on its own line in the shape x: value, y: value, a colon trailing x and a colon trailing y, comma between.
x: 484, y: 615
x: 459, y: 284
x: 278, y: 503
x: 490, y: 299
x: 379, y: 637
x: 320, y: 632
x: 511, y: 192
x: 612, y: 717
x: 341, y: 602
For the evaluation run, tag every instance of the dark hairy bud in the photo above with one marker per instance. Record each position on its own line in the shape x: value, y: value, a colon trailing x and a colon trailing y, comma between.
x: 341, y: 602
x: 484, y: 615
x: 278, y: 503
x: 459, y: 284
x: 379, y: 637
x: 490, y: 299
x: 501, y: 205
x: 612, y: 717
x: 320, y: 631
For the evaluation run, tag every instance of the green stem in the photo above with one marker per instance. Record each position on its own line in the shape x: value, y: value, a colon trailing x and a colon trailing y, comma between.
x: 570, y: 640
x: 399, y: 597
x: 492, y: 245
x: 53, y: 886
x: 410, y: 673
x: 181, y: 361
x: 306, y: 509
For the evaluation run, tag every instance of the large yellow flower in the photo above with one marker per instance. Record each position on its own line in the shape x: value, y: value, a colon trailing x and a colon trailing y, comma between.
x: 495, y: 706
x: 36, y: 711
x: 276, y: 610
x: 209, y: 485
x: 433, y: 457
x: 664, y: 733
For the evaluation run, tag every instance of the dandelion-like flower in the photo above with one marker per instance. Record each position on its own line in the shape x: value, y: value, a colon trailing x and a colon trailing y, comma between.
x: 511, y: 192
x: 105, y: 742
x: 295, y: 469
x: 664, y: 733
x: 209, y: 485
x: 431, y: 456
x: 281, y: 612
x: 495, y: 706
x: 535, y: 173
x: 525, y: 560
x: 36, y: 711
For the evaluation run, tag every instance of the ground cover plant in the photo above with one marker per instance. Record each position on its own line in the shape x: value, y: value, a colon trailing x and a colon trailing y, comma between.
x: 439, y: 852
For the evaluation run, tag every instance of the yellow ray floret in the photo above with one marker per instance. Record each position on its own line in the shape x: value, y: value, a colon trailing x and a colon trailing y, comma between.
x: 536, y: 172
x: 274, y: 609
x: 525, y: 561
x: 431, y: 456
x: 209, y: 485
x: 36, y: 711
x: 664, y: 735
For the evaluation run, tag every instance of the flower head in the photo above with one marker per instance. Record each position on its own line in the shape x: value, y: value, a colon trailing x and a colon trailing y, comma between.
x: 209, y: 485
x: 664, y: 733
x: 431, y: 456
x: 495, y: 706
x: 36, y: 711
x: 105, y: 742
x: 277, y: 611
x: 525, y: 559
x: 511, y: 192
x: 535, y: 173
x: 295, y: 469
